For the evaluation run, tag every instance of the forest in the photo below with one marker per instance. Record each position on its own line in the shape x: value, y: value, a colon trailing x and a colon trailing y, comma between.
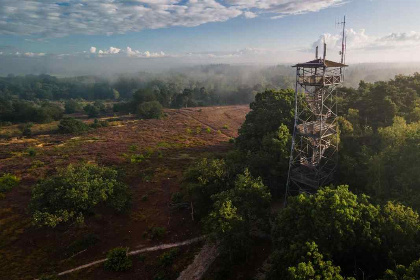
x: 365, y: 225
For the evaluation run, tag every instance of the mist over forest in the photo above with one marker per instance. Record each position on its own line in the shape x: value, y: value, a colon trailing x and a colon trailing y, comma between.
x: 227, y: 83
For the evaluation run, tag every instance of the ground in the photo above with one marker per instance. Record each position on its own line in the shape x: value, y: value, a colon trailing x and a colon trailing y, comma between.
x: 168, y: 147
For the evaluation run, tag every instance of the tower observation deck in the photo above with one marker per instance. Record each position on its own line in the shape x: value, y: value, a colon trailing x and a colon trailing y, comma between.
x: 315, y: 140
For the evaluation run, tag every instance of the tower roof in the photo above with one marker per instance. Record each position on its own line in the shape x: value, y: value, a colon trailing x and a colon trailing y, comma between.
x: 320, y: 63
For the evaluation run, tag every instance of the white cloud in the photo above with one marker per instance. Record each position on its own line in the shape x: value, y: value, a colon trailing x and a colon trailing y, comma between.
x: 31, y: 54
x: 92, y: 50
x: 249, y: 14
x: 130, y: 53
x: 359, y: 40
x: 49, y: 18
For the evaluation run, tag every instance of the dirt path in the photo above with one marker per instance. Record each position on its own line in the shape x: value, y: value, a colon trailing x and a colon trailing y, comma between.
x: 150, y: 249
x: 201, y: 263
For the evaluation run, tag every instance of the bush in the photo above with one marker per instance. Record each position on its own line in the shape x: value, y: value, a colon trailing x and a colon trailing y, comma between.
x: 71, y: 125
x: 117, y: 260
x: 8, y: 182
x: 31, y: 151
x: 75, y: 191
x: 97, y: 124
x: 150, y: 110
x: 72, y: 106
x: 155, y: 233
x: 167, y: 258
x: 91, y: 110
x: 26, y: 129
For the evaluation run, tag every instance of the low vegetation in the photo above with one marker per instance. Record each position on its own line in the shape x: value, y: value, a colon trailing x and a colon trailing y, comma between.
x: 8, y: 182
x: 117, y: 260
x: 74, y: 192
x: 72, y: 125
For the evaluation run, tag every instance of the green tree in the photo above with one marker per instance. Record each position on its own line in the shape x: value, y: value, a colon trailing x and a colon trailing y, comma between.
x: 72, y: 125
x: 239, y: 213
x: 75, y: 191
x: 150, y: 110
x: 72, y: 106
x: 404, y: 273
x: 355, y: 234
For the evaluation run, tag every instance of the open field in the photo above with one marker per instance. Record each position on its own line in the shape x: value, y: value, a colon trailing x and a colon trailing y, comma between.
x: 151, y: 153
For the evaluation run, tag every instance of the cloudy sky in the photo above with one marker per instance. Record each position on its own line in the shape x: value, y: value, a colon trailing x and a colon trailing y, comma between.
x: 155, y: 33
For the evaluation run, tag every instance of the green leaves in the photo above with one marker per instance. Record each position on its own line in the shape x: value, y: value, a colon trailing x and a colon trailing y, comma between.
x: 346, y: 227
x: 75, y: 191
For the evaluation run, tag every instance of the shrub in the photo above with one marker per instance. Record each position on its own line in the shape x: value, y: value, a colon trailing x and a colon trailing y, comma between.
x: 150, y: 110
x: 97, y: 124
x: 167, y: 258
x: 72, y: 106
x: 91, y: 110
x: 155, y: 233
x: 75, y: 191
x: 137, y: 158
x: 71, y: 125
x: 208, y: 130
x: 177, y: 197
x: 31, y: 151
x: 117, y: 260
x: 26, y: 129
x: 8, y: 182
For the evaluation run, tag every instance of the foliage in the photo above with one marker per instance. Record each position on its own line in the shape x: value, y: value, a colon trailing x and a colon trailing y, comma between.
x: 26, y: 129
x: 75, y: 191
x: 264, y: 138
x: 167, y: 258
x: 347, y: 227
x: 72, y: 106
x: 204, y: 179
x: 394, y: 170
x: 150, y: 110
x: 97, y: 124
x: 117, y: 260
x: 91, y: 110
x: 8, y: 181
x: 72, y: 125
x: 239, y: 213
x: 313, y: 266
x: 404, y: 273
x: 31, y: 151
x: 155, y: 232
x: 15, y: 110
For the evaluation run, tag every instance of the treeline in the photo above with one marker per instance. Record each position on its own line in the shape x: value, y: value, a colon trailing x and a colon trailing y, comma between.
x: 367, y: 230
x: 223, y: 84
x: 22, y: 98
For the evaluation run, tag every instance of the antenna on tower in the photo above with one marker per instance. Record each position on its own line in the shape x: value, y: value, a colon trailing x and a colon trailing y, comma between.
x: 343, y: 40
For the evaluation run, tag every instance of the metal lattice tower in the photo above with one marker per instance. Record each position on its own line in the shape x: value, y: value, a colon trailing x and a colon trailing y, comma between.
x: 314, y: 148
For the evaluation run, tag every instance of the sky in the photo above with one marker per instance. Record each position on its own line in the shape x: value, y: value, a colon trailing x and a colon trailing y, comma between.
x: 128, y: 35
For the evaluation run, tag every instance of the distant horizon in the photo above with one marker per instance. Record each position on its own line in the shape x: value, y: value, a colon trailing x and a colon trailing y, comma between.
x: 162, y: 34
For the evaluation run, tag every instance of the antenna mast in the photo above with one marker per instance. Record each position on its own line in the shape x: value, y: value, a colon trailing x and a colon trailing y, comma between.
x: 343, y: 41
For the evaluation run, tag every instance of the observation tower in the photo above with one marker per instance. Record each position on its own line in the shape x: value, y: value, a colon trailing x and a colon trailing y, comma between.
x: 313, y: 155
